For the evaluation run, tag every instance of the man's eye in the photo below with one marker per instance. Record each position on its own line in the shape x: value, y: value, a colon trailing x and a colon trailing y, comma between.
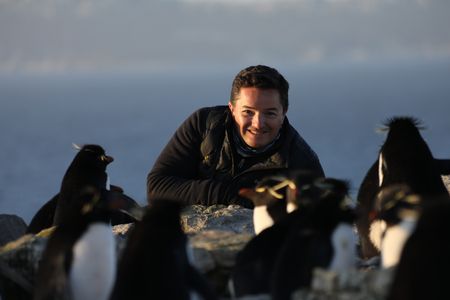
x: 271, y: 114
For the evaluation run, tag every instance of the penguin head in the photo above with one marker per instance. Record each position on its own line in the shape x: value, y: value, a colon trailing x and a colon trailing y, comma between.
x: 395, y: 203
x: 304, y: 191
x: 162, y: 218
x: 404, y: 152
x: 283, y: 187
x: 329, y: 201
x: 269, y: 200
x: 403, y: 127
x: 268, y: 191
x: 92, y: 156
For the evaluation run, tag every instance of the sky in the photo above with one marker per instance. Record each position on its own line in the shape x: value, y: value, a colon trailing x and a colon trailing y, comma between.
x: 58, y: 36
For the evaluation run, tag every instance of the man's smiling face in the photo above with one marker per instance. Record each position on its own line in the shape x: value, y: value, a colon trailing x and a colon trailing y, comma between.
x: 258, y: 115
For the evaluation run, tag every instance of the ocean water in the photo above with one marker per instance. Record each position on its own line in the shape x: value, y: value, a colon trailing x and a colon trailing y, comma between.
x: 337, y: 109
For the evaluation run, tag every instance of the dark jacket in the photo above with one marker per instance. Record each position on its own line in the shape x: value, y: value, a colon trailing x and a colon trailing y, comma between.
x: 200, y: 165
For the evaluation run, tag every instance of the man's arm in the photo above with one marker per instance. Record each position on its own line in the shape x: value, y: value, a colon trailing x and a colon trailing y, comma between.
x: 175, y: 172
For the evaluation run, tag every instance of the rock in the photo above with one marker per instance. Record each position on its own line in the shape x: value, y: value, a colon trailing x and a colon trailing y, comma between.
x: 232, y: 218
x: 217, y: 233
x: 12, y: 227
x: 18, y: 265
x: 221, y: 245
x: 214, y: 253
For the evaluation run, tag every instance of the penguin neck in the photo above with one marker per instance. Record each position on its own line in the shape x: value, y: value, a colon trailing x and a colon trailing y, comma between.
x: 108, y: 182
x: 85, y: 174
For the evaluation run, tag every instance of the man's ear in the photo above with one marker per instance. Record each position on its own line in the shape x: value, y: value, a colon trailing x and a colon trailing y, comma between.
x: 230, y: 106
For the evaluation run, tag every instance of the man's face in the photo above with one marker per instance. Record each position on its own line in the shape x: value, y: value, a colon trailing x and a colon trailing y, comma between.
x: 258, y: 115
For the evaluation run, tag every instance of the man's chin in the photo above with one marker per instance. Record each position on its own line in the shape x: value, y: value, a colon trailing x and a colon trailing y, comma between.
x: 255, y: 145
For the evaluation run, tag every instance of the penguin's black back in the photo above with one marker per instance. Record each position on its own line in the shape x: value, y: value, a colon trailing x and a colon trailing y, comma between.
x: 154, y: 264
x: 302, y: 251
x: 52, y: 275
x: 44, y: 217
x: 255, y: 262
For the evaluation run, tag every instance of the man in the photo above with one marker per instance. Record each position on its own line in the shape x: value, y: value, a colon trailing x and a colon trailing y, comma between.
x: 216, y: 147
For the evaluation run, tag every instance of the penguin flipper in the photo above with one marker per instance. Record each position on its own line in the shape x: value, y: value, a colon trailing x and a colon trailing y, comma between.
x: 130, y: 210
x: 44, y: 217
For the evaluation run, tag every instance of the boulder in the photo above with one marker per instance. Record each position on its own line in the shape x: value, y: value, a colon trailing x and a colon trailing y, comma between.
x: 232, y: 218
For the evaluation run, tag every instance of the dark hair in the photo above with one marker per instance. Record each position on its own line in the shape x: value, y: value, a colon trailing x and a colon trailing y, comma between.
x: 262, y: 77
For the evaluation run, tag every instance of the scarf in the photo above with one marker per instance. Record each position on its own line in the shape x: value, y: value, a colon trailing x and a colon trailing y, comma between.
x: 245, y: 150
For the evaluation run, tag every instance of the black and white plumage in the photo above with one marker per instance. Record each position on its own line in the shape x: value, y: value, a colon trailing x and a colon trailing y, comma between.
x: 88, y: 169
x: 422, y: 272
x: 395, y: 216
x: 404, y: 158
x: 318, y: 234
x: 270, y: 204
x: 275, y: 196
x: 79, y: 261
x: 155, y: 263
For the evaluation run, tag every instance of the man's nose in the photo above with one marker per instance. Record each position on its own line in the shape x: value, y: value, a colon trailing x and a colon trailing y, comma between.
x: 258, y: 121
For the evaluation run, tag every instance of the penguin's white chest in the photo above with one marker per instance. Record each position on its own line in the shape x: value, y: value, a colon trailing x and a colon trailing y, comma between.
x: 376, y: 232
x: 394, y: 240
x: 261, y: 218
x: 93, y: 267
x: 344, y: 246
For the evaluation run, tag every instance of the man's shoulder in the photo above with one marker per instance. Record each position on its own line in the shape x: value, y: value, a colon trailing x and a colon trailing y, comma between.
x: 219, y: 109
x: 298, y: 145
x: 212, y: 115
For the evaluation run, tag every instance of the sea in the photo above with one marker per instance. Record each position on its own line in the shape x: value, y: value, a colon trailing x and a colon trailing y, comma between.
x: 338, y: 109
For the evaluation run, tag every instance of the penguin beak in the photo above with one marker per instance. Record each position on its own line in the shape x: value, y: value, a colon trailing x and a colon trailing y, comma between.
x: 107, y: 159
x: 373, y: 215
x: 247, y: 193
